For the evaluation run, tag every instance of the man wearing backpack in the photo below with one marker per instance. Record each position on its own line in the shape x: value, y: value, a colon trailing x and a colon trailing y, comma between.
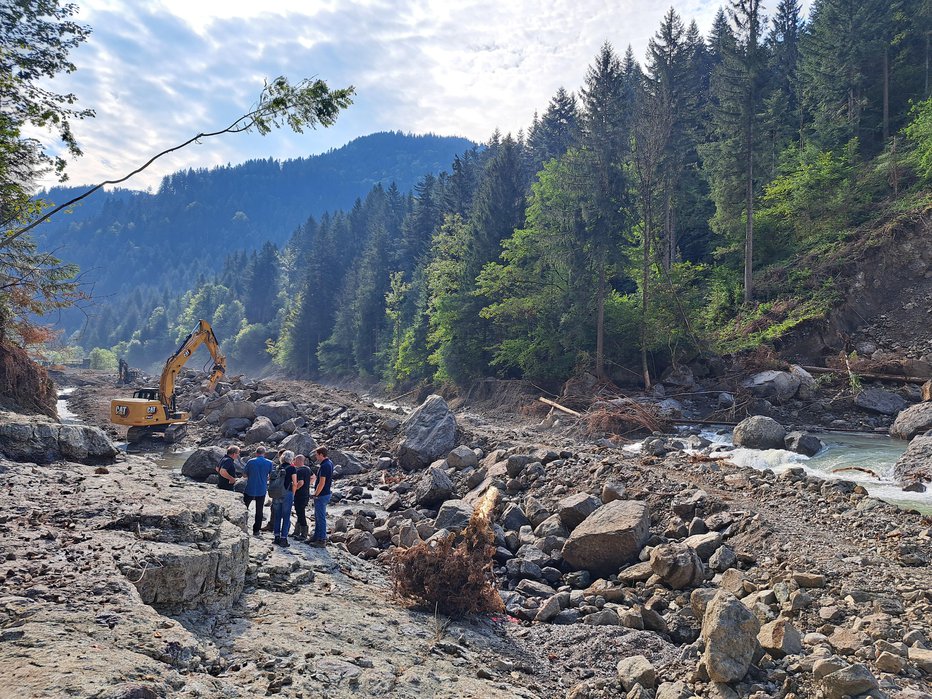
x: 282, y: 489
x: 258, y: 469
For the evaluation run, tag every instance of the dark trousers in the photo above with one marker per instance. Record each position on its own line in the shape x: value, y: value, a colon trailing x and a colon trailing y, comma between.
x: 300, y: 507
x: 260, y: 503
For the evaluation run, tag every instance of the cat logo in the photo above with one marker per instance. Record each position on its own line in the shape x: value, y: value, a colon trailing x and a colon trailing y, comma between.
x: 121, y: 410
x: 151, y: 410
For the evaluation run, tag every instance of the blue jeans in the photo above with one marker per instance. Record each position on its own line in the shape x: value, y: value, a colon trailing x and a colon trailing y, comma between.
x: 281, y: 516
x: 320, y: 517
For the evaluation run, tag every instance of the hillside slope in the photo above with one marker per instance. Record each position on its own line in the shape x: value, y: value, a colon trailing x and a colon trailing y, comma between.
x: 124, y: 240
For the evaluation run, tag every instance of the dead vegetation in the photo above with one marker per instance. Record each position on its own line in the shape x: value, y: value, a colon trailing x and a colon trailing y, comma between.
x: 452, y: 575
x: 24, y: 385
x: 625, y: 418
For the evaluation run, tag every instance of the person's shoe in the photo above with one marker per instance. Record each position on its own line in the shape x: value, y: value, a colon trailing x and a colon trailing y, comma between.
x: 318, y: 544
x: 277, y: 541
x: 256, y: 533
x: 299, y: 537
x: 284, y: 543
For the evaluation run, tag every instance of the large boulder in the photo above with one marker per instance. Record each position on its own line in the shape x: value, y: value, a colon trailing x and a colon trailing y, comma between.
x: 780, y: 638
x: 807, y: 384
x: 678, y: 565
x: 803, y: 443
x: 433, y: 488
x: 730, y: 631
x: 914, y: 420
x: 344, y: 463
x: 776, y: 386
x: 278, y: 411
x: 573, y: 509
x: 462, y: 457
x: 262, y: 428
x: 453, y: 515
x: 759, y: 432
x: 241, y: 408
x: 610, y: 537
x: 203, y: 463
x: 235, y: 425
x: 877, y: 400
x: 916, y: 463
x: 46, y: 442
x: 429, y: 433
x: 301, y: 442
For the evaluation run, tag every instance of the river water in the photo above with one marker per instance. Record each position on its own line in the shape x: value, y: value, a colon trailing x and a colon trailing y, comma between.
x: 843, y: 453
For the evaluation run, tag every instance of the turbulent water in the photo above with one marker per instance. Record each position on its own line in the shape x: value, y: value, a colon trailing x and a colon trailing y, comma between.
x: 842, y: 456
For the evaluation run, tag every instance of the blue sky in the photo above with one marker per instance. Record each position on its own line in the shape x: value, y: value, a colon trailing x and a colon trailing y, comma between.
x: 159, y: 71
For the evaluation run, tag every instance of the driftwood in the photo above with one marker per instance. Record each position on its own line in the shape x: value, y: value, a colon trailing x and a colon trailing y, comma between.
x: 856, y: 468
x: 866, y: 375
x: 559, y: 407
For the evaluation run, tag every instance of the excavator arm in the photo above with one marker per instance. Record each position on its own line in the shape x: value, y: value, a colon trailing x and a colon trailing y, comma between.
x: 203, y: 334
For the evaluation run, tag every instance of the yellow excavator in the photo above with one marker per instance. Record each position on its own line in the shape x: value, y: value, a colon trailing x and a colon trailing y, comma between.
x: 153, y: 410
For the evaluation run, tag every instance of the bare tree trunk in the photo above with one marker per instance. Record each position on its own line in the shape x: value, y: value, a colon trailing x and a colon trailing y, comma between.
x: 886, y: 93
x: 600, y: 325
x: 645, y: 284
x: 928, y: 36
x: 749, y: 224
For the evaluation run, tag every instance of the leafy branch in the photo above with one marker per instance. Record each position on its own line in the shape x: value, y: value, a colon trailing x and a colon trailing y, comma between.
x: 307, y: 104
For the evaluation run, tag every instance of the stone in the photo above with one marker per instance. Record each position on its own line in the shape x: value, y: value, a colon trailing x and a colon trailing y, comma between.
x: 453, y: 515
x: 203, y: 463
x: 677, y: 565
x: 723, y: 559
x: 912, y: 421
x: 513, y: 518
x: 573, y: 509
x: 759, y: 432
x: 780, y: 638
x: 553, y: 606
x: 301, y: 442
x: 462, y: 457
x: 809, y: 580
x: 606, y: 617
x: 730, y: 631
x: 803, y: 443
x: 428, y: 434
x: 636, y: 670
x: 639, y: 572
x: 344, y: 463
x: 877, y: 400
x: 235, y: 425
x: 673, y: 690
x: 921, y: 658
x: 433, y: 488
x: 776, y: 386
x: 408, y: 536
x: 535, y: 511
x: 704, y: 544
x: 552, y: 526
x: 685, y: 504
x: 612, y: 491
x: 43, y: 442
x: 278, y: 411
x: 890, y: 662
x: 848, y: 682
x: 808, y: 387
x: 262, y: 428
x: 240, y: 408
x: 915, y: 465
x: 360, y: 541
x: 609, y: 538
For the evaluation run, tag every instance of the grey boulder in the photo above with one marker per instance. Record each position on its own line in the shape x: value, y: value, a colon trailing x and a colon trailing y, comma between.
x: 45, y: 442
x: 730, y: 631
x: 429, y: 433
x: 301, y: 442
x: 462, y: 457
x: 202, y: 463
x: 261, y: 429
x: 915, y: 465
x: 573, y: 509
x: 803, y: 443
x: 776, y: 386
x: 453, y: 515
x: 877, y: 400
x: 914, y: 420
x: 759, y: 432
x: 433, y: 488
x: 278, y: 411
x: 610, y: 537
x: 677, y: 565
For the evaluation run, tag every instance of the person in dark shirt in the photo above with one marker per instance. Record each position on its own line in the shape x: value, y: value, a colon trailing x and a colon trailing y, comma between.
x: 258, y: 469
x: 281, y: 509
x: 227, y: 469
x: 321, y: 496
x: 302, y: 496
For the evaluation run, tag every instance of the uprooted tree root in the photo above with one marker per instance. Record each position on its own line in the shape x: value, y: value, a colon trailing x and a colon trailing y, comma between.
x: 625, y: 419
x: 454, y: 575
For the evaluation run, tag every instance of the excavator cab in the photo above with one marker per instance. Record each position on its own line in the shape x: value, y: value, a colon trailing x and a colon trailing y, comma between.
x: 152, y: 410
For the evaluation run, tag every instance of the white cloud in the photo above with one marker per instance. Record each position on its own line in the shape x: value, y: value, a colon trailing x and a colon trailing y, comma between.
x: 160, y: 71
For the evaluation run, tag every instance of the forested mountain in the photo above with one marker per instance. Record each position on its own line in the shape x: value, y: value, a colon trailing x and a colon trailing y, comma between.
x: 663, y: 209
x: 163, y: 242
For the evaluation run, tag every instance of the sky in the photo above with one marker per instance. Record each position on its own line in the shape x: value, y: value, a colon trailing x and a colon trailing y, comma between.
x: 157, y: 72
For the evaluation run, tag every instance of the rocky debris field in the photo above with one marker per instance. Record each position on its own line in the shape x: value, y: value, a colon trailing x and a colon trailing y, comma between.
x: 667, y: 574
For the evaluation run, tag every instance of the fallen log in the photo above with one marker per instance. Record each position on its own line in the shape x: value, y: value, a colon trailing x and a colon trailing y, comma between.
x: 559, y: 407
x: 856, y: 468
x: 867, y: 375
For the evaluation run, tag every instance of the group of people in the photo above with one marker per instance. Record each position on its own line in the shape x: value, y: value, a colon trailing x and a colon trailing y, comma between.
x: 290, y: 485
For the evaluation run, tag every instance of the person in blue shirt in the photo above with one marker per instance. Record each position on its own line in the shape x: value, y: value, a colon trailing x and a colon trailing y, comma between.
x: 258, y: 469
x: 321, y: 497
x: 281, y: 508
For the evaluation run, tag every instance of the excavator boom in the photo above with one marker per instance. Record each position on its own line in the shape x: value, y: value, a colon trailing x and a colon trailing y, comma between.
x: 203, y: 334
